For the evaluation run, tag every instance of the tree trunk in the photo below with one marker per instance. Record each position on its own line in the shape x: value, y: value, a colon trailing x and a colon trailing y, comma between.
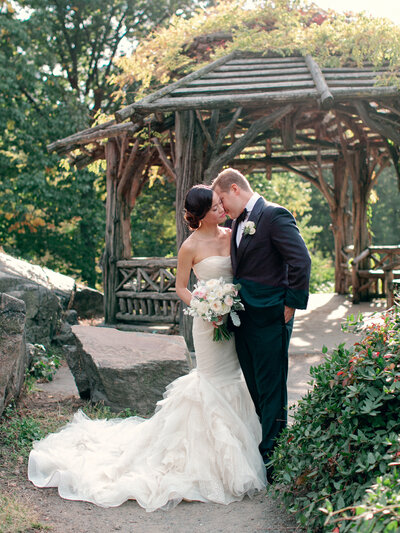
x: 118, y: 231
x: 361, y: 190
x: 340, y: 225
x: 189, y: 172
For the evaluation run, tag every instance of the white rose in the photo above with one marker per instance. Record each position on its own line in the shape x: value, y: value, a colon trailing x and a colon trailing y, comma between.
x: 212, y: 283
x: 228, y: 300
x: 202, y: 308
x: 216, y: 307
x: 228, y: 288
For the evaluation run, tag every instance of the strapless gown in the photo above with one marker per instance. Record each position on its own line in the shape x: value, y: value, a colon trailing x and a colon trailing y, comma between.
x: 200, y: 444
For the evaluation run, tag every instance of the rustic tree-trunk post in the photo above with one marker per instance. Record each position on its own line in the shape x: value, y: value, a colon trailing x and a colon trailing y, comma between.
x: 340, y: 223
x: 361, y: 189
x: 117, y: 237
x: 189, y: 172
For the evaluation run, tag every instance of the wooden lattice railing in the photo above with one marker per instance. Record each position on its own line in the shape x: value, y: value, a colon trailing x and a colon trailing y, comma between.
x: 146, y: 290
x: 384, y: 268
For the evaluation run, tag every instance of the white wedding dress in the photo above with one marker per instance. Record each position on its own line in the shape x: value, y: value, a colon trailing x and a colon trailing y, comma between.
x: 200, y: 444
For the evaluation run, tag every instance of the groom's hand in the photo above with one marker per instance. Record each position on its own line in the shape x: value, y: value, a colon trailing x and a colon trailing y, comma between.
x: 289, y: 312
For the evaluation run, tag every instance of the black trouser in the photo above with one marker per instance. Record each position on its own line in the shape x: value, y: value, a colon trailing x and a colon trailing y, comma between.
x: 262, y: 342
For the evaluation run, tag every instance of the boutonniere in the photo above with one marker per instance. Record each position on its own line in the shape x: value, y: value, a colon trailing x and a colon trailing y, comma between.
x: 249, y: 228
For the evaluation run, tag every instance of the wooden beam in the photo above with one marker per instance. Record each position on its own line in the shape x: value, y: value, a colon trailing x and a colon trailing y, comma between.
x: 231, y: 100
x: 88, y: 136
x: 240, y: 87
x: 163, y: 156
x: 204, y: 128
x: 224, y: 132
x: 126, y: 173
x: 243, y: 73
x: 257, y: 127
x: 151, y: 262
x: 128, y: 111
x: 367, y: 93
x: 320, y: 83
x: 377, y: 122
x: 71, y: 138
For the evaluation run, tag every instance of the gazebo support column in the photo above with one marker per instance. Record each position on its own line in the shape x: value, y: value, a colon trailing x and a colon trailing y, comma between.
x: 340, y: 224
x: 117, y: 237
x: 361, y: 240
x: 189, y: 139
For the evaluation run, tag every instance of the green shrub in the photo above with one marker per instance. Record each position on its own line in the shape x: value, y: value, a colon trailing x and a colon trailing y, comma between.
x: 44, y: 364
x: 379, y: 511
x: 346, y: 429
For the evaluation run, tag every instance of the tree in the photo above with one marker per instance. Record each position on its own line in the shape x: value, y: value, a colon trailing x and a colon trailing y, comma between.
x: 55, y: 61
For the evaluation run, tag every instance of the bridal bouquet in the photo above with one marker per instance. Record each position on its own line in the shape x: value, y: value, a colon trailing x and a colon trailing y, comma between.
x: 211, y: 300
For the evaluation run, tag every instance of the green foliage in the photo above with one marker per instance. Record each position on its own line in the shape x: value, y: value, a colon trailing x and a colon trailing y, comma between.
x: 386, y: 209
x: 18, y: 432
x: 153, y: 221
x: 55, y: 60
x: 281, y: 27
x: 379, y: 511
x: 44, y: 364
x: 346, y: 429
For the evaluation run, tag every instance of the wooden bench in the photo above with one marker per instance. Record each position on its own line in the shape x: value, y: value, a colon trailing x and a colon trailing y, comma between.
x: 377, y: 281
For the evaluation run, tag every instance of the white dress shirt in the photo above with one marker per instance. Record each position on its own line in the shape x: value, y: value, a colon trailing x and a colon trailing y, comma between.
x: 249, y: 206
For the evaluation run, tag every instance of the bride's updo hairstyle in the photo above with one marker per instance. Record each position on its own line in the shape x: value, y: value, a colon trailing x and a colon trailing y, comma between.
x: 198, y: 202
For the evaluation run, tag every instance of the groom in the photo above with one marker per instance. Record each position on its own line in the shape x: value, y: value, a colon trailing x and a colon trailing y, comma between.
x: 272, y: 265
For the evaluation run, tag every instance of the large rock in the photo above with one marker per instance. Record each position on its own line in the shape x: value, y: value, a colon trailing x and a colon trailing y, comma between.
x: 13, y: 352
x: 125, y: 369
x: 44, y: 292
x: 61, y: 285
x: 43, y: 309
x: 88, y: 303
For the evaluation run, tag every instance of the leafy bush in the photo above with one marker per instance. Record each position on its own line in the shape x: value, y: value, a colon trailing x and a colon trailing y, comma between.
x: 44, y: 364
x: 379, y: 511
x: 346, y: 429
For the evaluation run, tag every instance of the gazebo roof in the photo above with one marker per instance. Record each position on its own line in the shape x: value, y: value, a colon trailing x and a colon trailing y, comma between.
x: 241, y: 79
x: 294, y: 91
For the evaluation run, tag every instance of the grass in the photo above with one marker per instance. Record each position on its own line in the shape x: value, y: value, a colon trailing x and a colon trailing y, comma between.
x: 17, y: 516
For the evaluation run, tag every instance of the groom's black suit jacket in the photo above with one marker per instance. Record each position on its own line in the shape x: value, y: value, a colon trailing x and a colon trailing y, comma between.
x: 272, y: 265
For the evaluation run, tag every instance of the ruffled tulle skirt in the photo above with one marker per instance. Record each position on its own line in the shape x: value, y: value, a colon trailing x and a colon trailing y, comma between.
x: 201, y: 444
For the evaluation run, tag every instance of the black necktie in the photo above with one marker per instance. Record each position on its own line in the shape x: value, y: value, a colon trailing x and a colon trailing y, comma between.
x: 242, y: 216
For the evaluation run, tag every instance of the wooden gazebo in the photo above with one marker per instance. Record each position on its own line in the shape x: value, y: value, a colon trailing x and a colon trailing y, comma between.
x: 258, y: 114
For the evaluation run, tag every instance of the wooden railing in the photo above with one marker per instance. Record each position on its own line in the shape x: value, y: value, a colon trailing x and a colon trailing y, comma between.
x: 383, y: 267
x: 146, y: 291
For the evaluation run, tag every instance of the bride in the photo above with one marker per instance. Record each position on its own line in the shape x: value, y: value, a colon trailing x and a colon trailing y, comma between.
x: 202, y: 441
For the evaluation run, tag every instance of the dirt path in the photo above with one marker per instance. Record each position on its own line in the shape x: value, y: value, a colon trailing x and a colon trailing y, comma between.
x: 317, y: 326
x: 260, y: 514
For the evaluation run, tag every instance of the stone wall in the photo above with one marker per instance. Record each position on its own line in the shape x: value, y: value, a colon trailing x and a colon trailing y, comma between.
x: 13, y: 351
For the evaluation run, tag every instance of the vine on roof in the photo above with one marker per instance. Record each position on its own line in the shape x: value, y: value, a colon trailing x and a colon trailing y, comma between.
x: 278, y: 27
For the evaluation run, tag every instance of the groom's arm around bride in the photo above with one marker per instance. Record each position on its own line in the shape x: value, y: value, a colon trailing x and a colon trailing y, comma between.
x: 271, y: 262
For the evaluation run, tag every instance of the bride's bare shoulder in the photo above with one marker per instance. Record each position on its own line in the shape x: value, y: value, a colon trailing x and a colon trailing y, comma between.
x: 188, y: 247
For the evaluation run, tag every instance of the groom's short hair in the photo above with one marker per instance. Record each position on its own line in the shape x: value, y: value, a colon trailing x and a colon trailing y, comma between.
x: 228, y: 177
